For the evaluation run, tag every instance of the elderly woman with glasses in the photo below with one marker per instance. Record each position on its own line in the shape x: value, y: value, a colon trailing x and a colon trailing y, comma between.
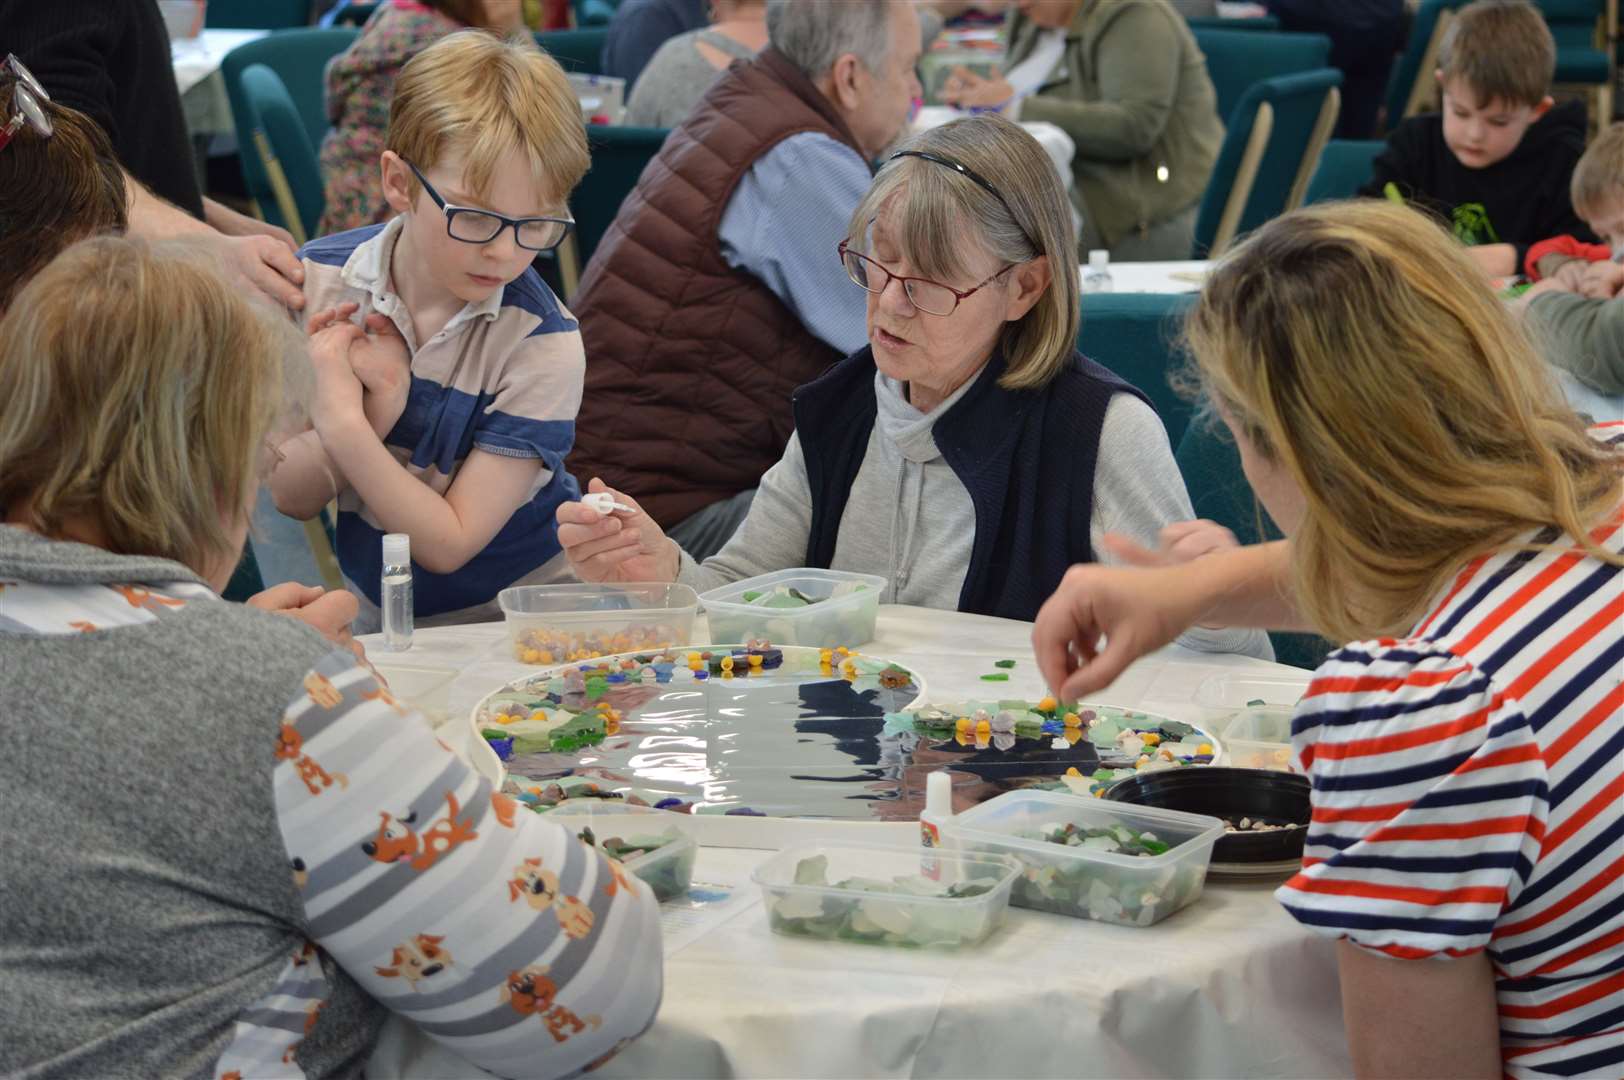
x: 969, y: 454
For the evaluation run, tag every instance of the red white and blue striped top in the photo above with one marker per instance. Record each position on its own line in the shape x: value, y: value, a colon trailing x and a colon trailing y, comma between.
x: 1469, y: 794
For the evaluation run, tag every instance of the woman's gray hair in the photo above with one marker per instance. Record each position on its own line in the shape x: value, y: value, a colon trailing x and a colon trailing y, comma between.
x: 813, y: 34
x: 930, y: 208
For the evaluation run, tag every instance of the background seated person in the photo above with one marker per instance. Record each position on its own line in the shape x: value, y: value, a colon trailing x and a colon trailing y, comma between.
x: 1461, y: 529
x: 685, y: 66
x: 969, y: 454
x: 715, y: 294
x: 283, y: 852
x: 1126, y: 80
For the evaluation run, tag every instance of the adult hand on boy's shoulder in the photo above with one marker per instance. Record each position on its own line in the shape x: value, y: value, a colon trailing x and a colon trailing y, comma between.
x: 1602, y: 280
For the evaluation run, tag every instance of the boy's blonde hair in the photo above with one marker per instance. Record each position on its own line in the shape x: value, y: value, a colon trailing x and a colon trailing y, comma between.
x: 933, y: 210
x: 483, y: 96
x: 140, y: 389
x: 1597, y: 187
x: 1502, y: 50
x: 1358, y: 347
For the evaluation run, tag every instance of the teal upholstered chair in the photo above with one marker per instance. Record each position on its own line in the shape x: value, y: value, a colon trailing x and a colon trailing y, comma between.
x: 350, y: 13
x: 255, y: 14
x: 1583, y: 59
x: 1212, y: 472
x: 1136, y: 336
x: 280, y: 142
x: 299, y: 58
x: 1269, y: 151
x: 1411, y: 87
x: 1237, y: 59
x: 577, y: 51
x: 246, y: 579
x: 1255, y: 22
x: 594, y: 12
x: 1345, y: 165
x: 619, y: 155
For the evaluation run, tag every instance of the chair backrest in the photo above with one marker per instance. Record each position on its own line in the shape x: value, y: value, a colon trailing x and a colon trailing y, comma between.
x: 578, y: 51
x: 1411, y: 85
x: 1219, y: 491
x: 1218, y: 22
x: 279, y: 141
x: 1345, y: 165
x: 594, y: 12
x: 299, y: 58
x: 619, y: 155
x: 1236, y: 59
x: 350, y: 13
x: 1270, y: 148
x: 257, y: 14
x: 1136, y: 336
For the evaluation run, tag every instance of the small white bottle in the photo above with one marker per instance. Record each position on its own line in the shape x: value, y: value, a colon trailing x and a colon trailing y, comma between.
x: 1097, y: 275
x: 938, y: 809
x: 395, y: 592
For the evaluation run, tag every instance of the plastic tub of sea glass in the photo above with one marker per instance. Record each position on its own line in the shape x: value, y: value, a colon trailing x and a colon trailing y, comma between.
x: 884, y: 895
x: 842, y: 610
x: 668, y: 870
x: 1089, y: 881
x: 555, y: 624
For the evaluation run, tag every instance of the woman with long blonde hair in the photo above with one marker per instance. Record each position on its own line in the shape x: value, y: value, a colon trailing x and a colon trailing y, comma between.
x: 1453, y: 520
x: 211, y: 804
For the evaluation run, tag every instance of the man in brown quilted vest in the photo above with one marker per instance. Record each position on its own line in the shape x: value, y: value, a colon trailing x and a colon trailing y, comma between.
x: 718, y: 289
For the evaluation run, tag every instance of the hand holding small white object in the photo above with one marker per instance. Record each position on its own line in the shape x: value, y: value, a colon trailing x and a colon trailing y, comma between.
x: 604, y: 502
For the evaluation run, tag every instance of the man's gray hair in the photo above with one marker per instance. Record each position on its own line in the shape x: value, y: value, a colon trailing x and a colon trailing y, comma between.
x: 813, y: 34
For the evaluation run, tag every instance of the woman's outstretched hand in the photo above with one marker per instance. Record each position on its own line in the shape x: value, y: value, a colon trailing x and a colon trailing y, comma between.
x: 618, y: 546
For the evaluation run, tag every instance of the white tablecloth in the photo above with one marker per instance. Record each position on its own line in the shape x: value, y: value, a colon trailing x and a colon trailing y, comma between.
x: 197, y: 75
x: 1228, y: 987
x: 1178, y: 276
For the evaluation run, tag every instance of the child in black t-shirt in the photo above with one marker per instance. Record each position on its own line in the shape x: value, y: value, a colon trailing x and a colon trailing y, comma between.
x: 1496, y: 162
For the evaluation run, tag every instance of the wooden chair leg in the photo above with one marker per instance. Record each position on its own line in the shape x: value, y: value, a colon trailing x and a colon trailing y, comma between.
x: 1240, y: 192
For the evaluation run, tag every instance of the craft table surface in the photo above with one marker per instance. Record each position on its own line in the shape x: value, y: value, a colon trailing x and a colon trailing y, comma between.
x: 197, y: 75
x: 1176, y: 276
x: 1231, y: 986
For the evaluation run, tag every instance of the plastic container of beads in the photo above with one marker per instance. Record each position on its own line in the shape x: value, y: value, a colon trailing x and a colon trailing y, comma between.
x: 1088, y: 880
x: 841, y: 608
x: 557, y: 624
x: 885, y: 895
x: 668, y: 870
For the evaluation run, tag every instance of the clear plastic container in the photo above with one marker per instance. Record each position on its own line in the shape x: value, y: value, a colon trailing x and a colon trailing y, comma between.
x: 1132, y: 890
x: 835, y: 620
x: 1236, y: 690
x: 668, y: 870
x: 1252, y: 754
x: 555, y: 624
x: 183, y: 18
x: 802, y: 904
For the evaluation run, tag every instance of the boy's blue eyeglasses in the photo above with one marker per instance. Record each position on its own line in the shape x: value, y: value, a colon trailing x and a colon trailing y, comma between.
x: 482, y: 226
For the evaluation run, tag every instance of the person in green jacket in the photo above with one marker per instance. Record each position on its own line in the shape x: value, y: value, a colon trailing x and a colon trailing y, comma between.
x: 1126, y: 80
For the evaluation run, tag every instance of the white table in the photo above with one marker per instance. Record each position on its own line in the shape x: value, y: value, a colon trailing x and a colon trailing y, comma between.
x: 1228, y: 987
x: 197, y: 75
x: 1175, y: 276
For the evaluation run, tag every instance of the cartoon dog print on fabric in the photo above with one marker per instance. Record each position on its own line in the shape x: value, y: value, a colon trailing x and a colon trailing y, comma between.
x: 531, y: 993
x: 538, y: 887
x: 398, y: 841
x: 322, y: 691
x: 420, y: 957
x: 290, y: 747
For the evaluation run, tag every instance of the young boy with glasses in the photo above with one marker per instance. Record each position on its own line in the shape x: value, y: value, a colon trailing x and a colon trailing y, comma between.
x: 447, y: 412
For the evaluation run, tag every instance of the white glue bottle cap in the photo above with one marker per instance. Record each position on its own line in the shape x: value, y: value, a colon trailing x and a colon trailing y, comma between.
x: 397, y: 549
x: 939, y: 794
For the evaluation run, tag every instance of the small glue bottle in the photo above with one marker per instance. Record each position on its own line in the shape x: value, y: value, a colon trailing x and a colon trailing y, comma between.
x: 1097, y: 275
x: 938, y: 809
x: 395, y: 592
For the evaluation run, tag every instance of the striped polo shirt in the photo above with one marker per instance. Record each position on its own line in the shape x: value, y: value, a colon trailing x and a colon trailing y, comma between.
x: 1468, y: 793
x: 504, y: 376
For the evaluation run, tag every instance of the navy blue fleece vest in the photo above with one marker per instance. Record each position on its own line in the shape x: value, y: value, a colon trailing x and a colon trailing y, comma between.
x: 1025, y: 456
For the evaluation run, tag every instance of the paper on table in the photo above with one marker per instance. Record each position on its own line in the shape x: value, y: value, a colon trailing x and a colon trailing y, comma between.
x: 707, y: 906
